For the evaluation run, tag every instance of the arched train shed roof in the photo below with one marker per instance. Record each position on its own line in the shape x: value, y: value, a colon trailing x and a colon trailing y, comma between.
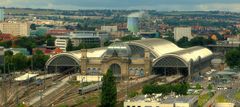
x: 158, y: 47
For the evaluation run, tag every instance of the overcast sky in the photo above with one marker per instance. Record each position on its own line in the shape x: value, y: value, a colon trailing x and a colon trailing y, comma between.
x: 162, y: 5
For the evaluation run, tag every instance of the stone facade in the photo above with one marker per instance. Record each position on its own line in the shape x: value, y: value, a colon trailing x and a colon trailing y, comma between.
x: 125, y: 63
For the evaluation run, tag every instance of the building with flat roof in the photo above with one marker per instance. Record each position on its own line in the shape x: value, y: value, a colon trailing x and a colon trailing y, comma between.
x: 109, y: 28
x: 82, y: 37
x: 180, y: 32
x: 161, y: 101
x: 61, y: 43
x: 15, y: 28
x: 140, y: 57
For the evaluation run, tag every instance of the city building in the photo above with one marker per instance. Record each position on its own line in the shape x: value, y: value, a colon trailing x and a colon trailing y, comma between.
x: 180, y: 32
x: 109, y: 28
x: 82, y: 37
x: 135, y: 59
x: 6, y: 37
x: 61, y: 43
x: 161, y: 101
x: 224, y: 105
x: 56, y: 32
x: 15, y: 28
x: 1, y: 14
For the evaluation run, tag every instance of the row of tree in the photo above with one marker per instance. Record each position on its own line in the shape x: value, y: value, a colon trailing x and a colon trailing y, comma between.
x: 232, y: 58
x: 70, y: 46
x: 179, y: 88
x: 196, y: 41
x: 20, y: 62
x: 29, y: 42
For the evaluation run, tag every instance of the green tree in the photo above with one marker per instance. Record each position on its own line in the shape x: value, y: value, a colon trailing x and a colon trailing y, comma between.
x: 69, y: 45
x: 33, y: 26
x: 8, y: 53
x: 50, y: 41
x: 171, y: 39
x: 20, y: 61
x: 198, y: 86
x: 26, y: 42
x: 6, y: 44
x: 233, y: 58
x: 130, y: 38
x: 210, y: 87
x: 109, y: 90
x: 198, y: 41
x: 39, y: 60
x: 183, y: 42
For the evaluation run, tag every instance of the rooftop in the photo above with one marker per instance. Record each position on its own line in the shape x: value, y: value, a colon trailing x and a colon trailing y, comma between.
x: 164, y: 99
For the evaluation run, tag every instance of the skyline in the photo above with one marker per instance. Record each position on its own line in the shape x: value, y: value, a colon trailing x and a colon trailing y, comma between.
x: 161, y: 5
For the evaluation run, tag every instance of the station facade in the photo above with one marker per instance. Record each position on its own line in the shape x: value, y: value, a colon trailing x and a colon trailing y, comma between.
x: 134, y: 59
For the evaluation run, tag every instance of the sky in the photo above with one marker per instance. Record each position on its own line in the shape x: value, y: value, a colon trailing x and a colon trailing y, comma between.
x: 161, y: 5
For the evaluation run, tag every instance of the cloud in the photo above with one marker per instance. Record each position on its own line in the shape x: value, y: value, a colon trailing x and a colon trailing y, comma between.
x: 164, y: 5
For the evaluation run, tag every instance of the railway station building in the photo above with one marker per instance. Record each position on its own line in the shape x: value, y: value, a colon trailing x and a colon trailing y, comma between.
x: 134, y: 59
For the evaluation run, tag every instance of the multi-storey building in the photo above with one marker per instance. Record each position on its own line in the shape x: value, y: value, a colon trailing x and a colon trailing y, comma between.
x: 180, y: 32
x: 15, y: 28
x: 61, y: 43
x: 82, y: 37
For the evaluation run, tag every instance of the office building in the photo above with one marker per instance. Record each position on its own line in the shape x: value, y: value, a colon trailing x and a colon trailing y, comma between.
x: 180, y: 32
x: 61, y: 43
x: 15, y: 28
x: 82, y: 37
x: 1, y: 14
x: 109, y: 28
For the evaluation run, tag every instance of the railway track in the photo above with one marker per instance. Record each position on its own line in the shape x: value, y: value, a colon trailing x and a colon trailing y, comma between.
x: 26, y: 93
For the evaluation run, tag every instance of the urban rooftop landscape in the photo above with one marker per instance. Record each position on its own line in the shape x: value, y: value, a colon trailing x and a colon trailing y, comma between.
x: 111, y: 53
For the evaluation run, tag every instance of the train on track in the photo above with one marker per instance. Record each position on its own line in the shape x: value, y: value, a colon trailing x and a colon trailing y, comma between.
x: 90, y: 88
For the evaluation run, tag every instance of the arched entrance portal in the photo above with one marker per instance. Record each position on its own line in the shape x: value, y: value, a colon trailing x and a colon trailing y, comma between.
x: 62, y: 64
x: 170, y: 65
x: 116, y: 69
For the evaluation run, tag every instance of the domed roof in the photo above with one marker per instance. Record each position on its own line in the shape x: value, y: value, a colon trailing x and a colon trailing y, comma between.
x: 118, y: 49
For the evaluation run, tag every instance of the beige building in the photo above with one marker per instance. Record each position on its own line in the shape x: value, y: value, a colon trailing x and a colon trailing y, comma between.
x: 16, y: 29
x: 161, y: 101
x: 133, y: 59
x: 180, y: 32
x: 109, y: 28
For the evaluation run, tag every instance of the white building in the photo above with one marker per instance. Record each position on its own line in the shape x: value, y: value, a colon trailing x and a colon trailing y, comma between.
x: 161, y: 101
x: 15, y: 28
x: 61, y: 43
x: 84, y: 37
x: 109, y: 28
x: 224, y: 105
x: 1, y: 15
x: 180, y: 32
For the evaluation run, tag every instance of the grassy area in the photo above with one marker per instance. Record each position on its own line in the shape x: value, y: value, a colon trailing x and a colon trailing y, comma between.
x: 132, y: 94
x: 237, y: 95
x: 202, y: 99
x: 90, y: 100
x: 221, y: 99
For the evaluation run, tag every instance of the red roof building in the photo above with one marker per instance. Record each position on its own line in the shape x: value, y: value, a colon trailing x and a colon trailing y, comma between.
x: 6, y: 37
x: 44, y: 50
x: 58, y: 32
